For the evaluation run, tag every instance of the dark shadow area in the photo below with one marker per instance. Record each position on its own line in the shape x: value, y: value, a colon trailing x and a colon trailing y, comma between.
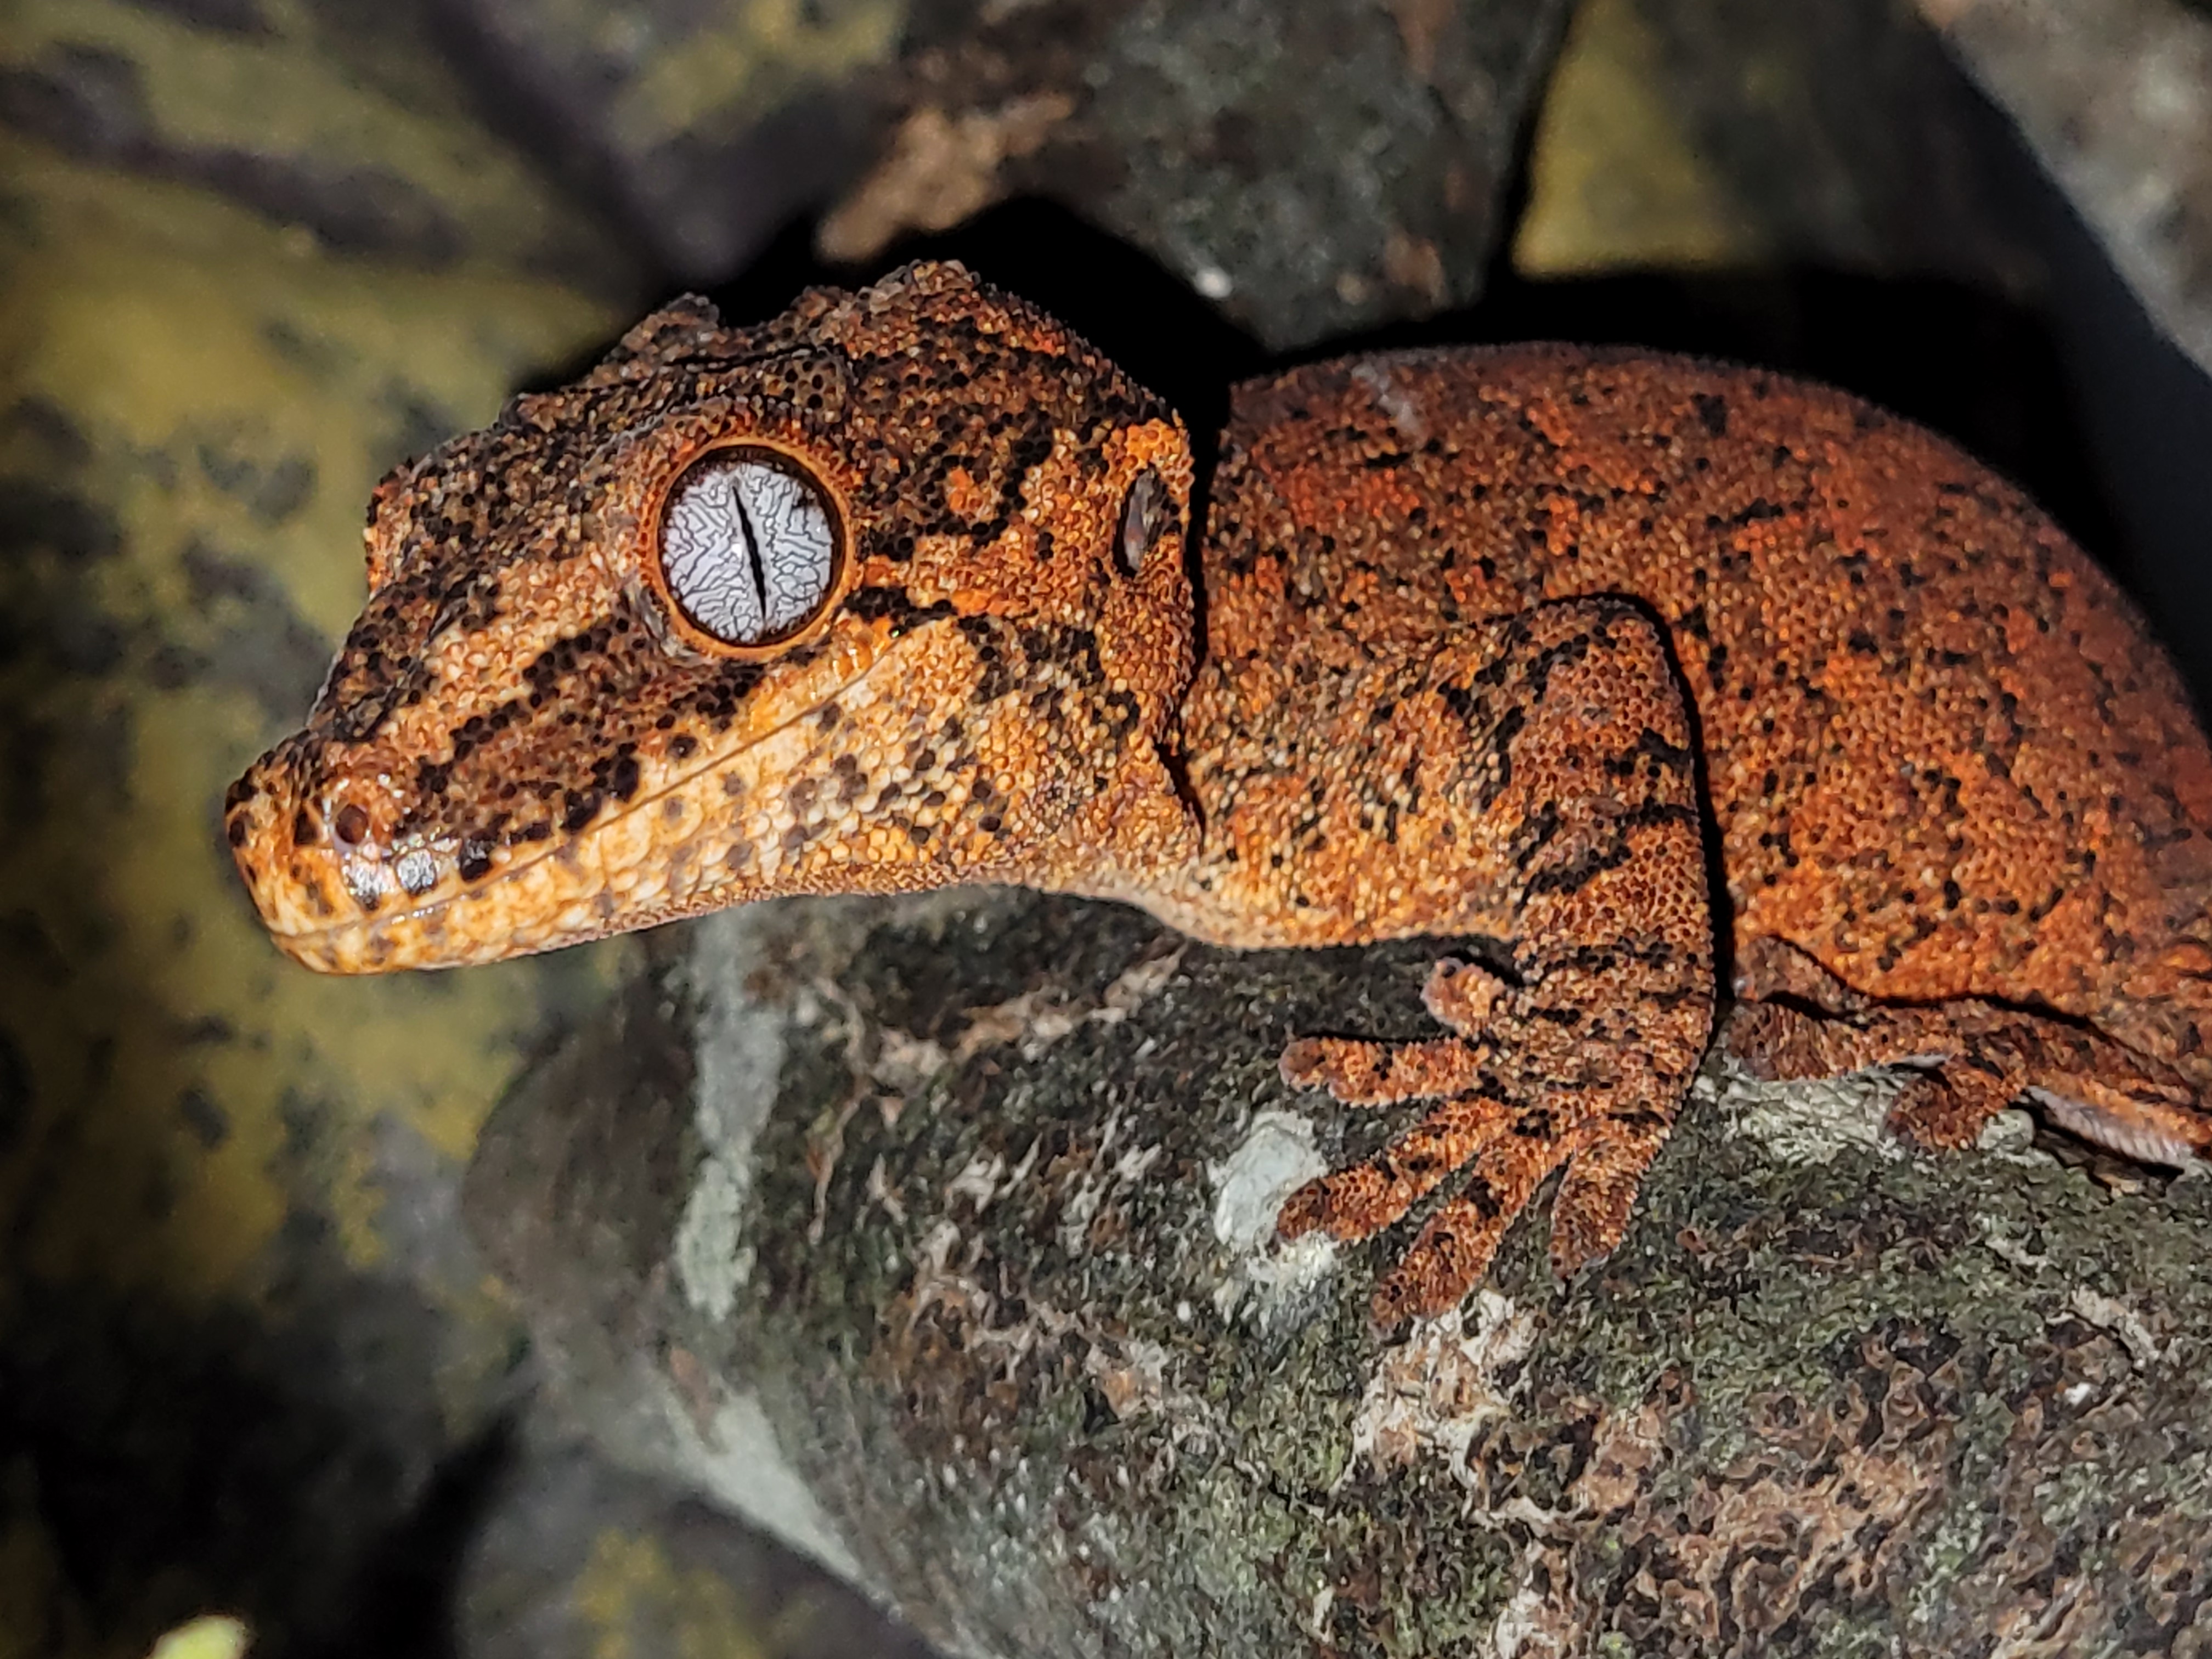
x: 162, y: 1454
x: 404, y: 1600
x: 2146, y: 408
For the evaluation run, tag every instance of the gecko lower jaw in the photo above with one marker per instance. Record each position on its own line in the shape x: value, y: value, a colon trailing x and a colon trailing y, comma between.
x: 476, y: 927
x: 666, y: 853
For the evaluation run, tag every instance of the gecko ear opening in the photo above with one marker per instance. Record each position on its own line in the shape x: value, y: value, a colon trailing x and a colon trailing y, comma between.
x: 749, y: 550
x: 1146, y: 512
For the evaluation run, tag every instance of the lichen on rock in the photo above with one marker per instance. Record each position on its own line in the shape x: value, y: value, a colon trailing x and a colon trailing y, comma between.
x: 1008, y: 1321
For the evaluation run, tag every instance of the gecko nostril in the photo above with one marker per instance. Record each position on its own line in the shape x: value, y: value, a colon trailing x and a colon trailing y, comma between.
x: 350, y: 826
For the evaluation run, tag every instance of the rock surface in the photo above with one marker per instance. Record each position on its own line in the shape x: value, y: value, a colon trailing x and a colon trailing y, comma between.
x: 1313, y: 168
x: 2116, y: 97
x: 935, y: 1236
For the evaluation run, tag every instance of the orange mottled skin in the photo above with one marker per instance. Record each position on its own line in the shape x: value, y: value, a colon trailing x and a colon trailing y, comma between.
x: 1515, y: 644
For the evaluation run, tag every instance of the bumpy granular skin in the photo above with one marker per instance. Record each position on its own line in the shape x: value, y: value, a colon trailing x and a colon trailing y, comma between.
x: 1515, y: 644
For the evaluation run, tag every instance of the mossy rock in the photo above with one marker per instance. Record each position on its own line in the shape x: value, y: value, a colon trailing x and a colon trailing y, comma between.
x: 935, y: 1236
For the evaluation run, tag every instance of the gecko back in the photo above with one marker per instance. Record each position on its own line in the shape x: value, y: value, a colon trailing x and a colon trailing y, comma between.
x: 1943, y: 755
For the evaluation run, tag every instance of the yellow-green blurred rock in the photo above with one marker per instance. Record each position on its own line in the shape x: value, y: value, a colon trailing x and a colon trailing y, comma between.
x: 212, y: 1636
x: 637, y: 1603
x: 1738, y: 134
x: 1617, y: 178
x: 341, y: 119
x: 237, y: 1328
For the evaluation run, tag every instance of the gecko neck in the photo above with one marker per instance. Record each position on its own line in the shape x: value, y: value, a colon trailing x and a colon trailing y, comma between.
x: 1142, y: 841
x: 1131, y: 842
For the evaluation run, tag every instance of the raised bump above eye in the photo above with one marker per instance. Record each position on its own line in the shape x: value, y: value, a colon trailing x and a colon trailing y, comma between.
x: 749, y: 547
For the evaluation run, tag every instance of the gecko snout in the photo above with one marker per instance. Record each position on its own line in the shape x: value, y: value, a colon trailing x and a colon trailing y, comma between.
x: 320, y: 849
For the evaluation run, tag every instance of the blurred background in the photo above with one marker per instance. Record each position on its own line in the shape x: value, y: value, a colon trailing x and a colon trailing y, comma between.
x: 254, y: 252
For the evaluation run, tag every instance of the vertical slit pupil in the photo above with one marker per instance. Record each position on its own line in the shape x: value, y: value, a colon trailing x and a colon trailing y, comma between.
x: 752, y: 548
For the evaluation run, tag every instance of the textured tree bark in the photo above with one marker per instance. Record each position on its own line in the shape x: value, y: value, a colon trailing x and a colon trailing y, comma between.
x: 936, y: 1236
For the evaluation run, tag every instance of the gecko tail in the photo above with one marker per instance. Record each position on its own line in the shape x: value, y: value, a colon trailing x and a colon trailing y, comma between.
x: 2148, y: 1131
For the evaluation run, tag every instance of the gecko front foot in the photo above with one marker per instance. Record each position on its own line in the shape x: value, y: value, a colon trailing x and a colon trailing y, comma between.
x: 1515, y: 1112
x: 1971, y: 1059
x: 1575, y: 769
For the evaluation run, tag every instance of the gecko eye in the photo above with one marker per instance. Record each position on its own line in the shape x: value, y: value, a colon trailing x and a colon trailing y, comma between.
x: 750, y: 546
x: 1144, y: 513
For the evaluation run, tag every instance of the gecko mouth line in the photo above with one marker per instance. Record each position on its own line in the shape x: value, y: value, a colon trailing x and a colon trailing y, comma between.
x: 370, y: 925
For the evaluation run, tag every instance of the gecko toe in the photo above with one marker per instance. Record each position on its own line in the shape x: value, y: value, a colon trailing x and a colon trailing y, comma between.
x: 1462, y: 994
x: 1597, y: 1195
x: 1303, y: 1060
x: 1970, y: 1059
x: 1362, y: 1074
x: 1944, y: 1108
x: 1358, y: 1202
x: 1457, y: 1244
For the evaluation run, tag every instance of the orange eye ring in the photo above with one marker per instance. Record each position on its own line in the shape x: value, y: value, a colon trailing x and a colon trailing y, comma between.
x: 749, y: 550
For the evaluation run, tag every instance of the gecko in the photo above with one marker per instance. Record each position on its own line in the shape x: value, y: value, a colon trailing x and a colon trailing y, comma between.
x: 1643, y: 677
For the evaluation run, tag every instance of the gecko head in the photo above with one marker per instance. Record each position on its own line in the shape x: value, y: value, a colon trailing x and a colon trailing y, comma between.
x: 886, y: 593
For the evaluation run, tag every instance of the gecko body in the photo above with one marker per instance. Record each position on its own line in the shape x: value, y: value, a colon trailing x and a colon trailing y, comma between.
x: 1525, y: 646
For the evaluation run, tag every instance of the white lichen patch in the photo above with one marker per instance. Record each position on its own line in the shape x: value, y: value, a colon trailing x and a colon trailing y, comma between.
x: 1432, y: 1393
x: 740, y: 1048
x: 1276, y: 1157
x: 736, y: 1459
x: 1807, y: 1119
x: 2115, y: 1318
x: 1270, y: 1280
x: 712, y: 1261
x: 977, y: 1183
